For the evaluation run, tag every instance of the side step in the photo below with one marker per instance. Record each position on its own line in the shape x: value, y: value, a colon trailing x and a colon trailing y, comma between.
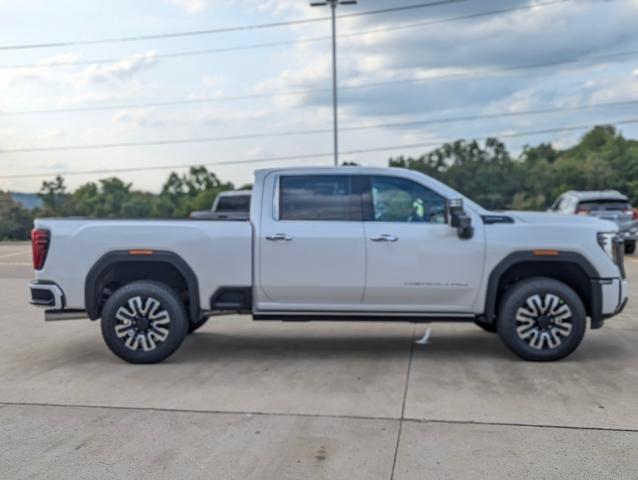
x: 56, y: 315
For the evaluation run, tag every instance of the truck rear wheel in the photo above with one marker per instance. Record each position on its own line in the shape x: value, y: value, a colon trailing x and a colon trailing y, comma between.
x: 630, y: 246
x: 144, y: 322
x: 542, y: 320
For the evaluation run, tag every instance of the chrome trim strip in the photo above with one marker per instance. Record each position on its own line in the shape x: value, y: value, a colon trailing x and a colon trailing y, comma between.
x: 55, y: 315
x: 364, y: 313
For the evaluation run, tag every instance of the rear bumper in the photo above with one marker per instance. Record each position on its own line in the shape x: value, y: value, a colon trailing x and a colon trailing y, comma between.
x: 46, y: 295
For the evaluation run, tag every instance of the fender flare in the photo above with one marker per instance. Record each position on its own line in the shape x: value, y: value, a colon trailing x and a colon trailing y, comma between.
x: 124, y: 256
x: 529, y: 256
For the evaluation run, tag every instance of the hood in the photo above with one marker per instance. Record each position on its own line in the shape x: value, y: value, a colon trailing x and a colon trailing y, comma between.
x: 560, y: 219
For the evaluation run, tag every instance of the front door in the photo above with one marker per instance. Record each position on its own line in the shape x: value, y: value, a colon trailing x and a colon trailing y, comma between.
x: 312, y: 248
x: 415, y: 260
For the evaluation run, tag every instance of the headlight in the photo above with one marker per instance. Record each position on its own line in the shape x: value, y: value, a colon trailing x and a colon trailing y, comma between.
x: 606, y: 241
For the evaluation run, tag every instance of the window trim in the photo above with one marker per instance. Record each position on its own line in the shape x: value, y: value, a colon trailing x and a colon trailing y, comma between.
x: 277, y: 196
x: 368, y: 204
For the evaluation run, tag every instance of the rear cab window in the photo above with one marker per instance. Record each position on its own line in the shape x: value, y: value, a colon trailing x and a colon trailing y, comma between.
x: 319, y: 198
x: 234, y: 203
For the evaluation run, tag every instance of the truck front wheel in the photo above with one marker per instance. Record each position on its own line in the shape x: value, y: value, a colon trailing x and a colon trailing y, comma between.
x: 541, y: 319
x: 144, y: 322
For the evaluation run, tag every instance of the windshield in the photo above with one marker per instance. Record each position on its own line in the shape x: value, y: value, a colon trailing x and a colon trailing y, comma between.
x: 450, y: 193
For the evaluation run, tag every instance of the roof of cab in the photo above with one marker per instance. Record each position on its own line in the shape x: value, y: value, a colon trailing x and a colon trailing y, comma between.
x: 327, y: 169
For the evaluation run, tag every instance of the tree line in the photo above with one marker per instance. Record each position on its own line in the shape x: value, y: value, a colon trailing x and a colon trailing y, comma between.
x: 486, y: 172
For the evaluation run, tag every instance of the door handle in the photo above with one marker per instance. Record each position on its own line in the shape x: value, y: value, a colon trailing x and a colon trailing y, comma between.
x: 384, y: 237
x: 279, y: 237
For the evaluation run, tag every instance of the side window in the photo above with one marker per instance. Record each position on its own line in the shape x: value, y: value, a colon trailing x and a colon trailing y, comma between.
x: 573, y: 205
x: 397, y: 199
x: 318, y: 197
x: 558, y: 203
x: 567, y: 204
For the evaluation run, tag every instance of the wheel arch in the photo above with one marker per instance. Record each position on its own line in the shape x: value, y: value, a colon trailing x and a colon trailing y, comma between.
x: 568, y: 267
x: 147, y: 265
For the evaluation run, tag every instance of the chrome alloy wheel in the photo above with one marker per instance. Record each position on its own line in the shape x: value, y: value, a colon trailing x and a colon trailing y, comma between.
x: 142, y: 324
x: 544, y: 321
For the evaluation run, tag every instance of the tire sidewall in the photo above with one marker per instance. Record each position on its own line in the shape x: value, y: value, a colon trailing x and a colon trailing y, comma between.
x: 517, y: 296
x: 169, y: 301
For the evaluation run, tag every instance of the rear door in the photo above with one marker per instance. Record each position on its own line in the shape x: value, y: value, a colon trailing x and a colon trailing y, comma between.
x: 312, y: 248
x: 415, y: 260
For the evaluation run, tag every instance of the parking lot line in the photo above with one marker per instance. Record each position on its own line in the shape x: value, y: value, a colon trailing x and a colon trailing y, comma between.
x: 13, y: 254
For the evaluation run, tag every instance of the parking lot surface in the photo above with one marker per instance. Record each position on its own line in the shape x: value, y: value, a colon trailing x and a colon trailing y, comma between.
x: 261, y: 400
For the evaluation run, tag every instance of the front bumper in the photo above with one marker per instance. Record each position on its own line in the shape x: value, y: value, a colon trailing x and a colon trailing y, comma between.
x: 46, y: 294
x: 615, y: 295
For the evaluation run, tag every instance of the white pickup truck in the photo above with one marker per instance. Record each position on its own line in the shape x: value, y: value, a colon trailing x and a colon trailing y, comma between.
x: 336, y: 244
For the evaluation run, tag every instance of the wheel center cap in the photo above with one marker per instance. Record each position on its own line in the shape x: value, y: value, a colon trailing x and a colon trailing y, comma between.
x: 141, y: 323
x: 544, y: 321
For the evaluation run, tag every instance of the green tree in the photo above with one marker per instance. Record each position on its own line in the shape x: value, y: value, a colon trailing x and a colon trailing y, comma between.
x: 195, y: 190
x: 15, y: 220
x: 602, y: 160
x: 55, y: 199
x: 486, y: 173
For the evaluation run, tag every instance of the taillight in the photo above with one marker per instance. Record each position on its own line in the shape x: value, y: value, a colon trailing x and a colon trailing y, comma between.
x: 632, y: 212
x: 40, y: 245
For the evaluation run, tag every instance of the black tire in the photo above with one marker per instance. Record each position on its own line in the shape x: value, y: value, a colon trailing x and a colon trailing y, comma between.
x: 488, y: 327
x: 158, y: 320
x: 195, y: 326
x: 630, y: 246
x: 523, y: 326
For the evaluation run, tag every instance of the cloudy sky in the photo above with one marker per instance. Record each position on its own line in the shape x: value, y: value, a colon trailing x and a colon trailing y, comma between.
x: 395, y: 67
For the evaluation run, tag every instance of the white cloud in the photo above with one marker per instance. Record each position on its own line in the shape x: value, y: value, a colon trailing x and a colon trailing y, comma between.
x: 18, y: 76
x: 145, y: 117
x: 191, y: 7
x: 119, y: 71
x: 59, y: 59
x: 210, y: 80
x: 217, y: 116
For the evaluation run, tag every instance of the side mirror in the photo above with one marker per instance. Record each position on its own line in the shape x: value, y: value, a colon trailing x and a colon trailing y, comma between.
x: 459, y: 219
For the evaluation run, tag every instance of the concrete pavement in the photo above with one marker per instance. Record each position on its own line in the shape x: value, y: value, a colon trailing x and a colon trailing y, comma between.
x: 245, y: 399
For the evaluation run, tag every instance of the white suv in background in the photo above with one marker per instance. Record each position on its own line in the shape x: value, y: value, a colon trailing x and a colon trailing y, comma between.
x: 607, y: 205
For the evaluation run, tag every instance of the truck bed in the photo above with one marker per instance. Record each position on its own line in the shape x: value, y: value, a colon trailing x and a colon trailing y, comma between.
x: 219, y: 252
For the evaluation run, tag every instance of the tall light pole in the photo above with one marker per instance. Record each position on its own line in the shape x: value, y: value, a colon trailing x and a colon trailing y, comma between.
x: 335, y: 104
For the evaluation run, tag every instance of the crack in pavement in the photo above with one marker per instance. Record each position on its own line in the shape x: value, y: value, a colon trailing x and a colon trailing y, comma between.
x: 405, y: 396
x: 319, y: 415
x: 522, y: 425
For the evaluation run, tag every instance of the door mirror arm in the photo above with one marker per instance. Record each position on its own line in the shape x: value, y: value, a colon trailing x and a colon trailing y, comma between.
x: 459, y: 219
